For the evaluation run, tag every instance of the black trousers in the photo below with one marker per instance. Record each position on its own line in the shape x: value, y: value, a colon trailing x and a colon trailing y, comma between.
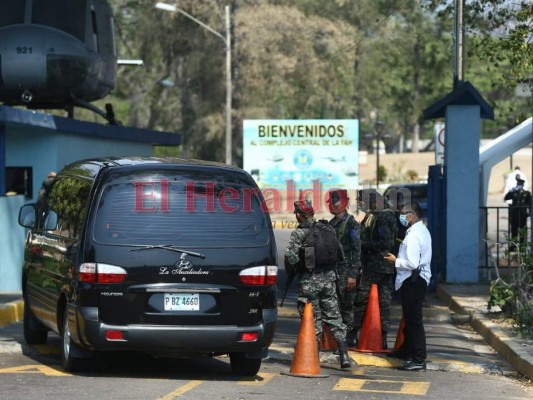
x: 518, y: 220
x: 412, y: 295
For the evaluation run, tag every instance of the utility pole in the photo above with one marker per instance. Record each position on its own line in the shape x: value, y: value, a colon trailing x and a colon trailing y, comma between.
x: 229, y: 144
x: 459, y: 44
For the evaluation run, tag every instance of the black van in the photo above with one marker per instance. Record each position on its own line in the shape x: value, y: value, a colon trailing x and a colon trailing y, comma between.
x: 398, y: 194
x: 164, y: 256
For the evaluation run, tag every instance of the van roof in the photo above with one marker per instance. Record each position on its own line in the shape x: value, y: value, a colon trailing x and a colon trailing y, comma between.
x: 91, y: 167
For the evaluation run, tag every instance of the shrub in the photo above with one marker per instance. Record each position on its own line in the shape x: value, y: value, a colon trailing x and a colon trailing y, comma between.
x: 514, y: 293
x: 382, y: 173
x: 412, y: 175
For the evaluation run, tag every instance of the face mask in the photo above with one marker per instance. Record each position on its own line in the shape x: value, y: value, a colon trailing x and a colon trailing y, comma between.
x: 519, y: 187
x: 403, y: 220
x: 333, y: 209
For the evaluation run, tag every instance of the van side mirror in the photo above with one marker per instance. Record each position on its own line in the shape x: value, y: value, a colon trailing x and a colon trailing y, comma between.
x: 27, y: 215
x: 50, y: 221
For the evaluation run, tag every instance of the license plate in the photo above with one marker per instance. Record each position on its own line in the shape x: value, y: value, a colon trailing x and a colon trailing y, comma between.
x: 182, y: 302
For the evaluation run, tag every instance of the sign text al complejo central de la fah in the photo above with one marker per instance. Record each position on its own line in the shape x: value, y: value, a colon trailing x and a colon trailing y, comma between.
x: 302, y: 153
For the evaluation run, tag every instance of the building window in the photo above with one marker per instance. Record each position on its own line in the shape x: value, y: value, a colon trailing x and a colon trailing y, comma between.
x: 19, y: 180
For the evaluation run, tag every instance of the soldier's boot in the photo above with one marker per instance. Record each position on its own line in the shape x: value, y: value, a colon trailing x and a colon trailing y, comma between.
x: 343, y: 354
x: 384, y: 344
x: 351, y: 338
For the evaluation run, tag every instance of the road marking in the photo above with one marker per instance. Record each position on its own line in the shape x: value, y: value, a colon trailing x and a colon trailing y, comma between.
x: 179, y: 391
x: 383, y: 386
x: 34, y: 369
x: 372, y: 360
x: 362, y: 373
x: 258, y: 380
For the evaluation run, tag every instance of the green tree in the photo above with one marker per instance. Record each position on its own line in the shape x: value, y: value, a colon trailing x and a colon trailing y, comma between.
x: 417, y: 62
x: 307, y: 59
x: 499, y: 55
x: 504, y: 28
x: 292, y: 65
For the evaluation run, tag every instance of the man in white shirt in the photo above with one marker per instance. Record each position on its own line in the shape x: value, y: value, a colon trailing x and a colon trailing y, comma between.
x: 413, y: 272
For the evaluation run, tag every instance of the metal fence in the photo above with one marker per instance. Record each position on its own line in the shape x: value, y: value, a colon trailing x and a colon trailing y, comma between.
x: 495, y: 241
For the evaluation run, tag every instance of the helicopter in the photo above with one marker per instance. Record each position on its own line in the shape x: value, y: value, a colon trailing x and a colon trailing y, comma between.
x: 57, y: 54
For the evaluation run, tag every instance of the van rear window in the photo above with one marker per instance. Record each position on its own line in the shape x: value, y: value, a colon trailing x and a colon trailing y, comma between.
x: 162, y: 210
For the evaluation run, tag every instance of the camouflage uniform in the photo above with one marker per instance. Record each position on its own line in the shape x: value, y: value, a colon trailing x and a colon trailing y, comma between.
x: 317, y: 287
x: 348, y: 233
x: 379, y: 230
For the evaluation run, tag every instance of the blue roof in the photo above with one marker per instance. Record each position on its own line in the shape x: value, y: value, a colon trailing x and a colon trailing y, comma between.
x: 12, y: 115
x: 464, y: 94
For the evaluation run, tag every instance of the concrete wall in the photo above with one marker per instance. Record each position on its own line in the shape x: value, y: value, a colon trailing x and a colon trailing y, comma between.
x: 47, y: 152
x: 73, y: 148
x: 11, y: 245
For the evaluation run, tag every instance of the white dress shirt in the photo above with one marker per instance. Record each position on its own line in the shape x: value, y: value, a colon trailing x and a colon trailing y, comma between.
x: 415, y: 251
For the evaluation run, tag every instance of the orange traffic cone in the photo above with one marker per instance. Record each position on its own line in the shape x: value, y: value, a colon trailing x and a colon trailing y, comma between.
x: 327, y: 341
x: 370, y: 340
x: 399, y: 336
x: 306, y: 361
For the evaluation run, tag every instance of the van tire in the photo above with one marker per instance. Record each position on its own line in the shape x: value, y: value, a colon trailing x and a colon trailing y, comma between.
x: 240, y: 365
x: 70, y: 363
x: 34, y: 331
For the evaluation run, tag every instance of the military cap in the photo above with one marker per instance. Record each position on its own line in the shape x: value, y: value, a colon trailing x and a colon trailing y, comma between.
x: 304, y: 207
x: 372, y: 199
x: 519, y: 177
x: 338, y: 195
x: 366, y: 193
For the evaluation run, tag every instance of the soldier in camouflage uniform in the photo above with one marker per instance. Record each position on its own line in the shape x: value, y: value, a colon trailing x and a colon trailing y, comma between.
x: 317, y: 286
x: 348, y: 269
x: 378, y: 234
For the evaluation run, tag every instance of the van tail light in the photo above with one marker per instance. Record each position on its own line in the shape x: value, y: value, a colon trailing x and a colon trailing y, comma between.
x: 249, y: 336
x: 101, y: 273
x: 263, y: 275
x: 114, y: 335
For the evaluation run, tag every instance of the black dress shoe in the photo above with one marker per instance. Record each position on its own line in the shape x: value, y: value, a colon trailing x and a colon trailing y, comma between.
x: 414, y: 366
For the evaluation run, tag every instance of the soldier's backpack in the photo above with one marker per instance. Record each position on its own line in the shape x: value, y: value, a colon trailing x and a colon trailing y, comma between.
x: 321, y: 247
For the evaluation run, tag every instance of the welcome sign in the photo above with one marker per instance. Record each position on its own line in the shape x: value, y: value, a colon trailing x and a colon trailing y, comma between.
x: 302, y: 153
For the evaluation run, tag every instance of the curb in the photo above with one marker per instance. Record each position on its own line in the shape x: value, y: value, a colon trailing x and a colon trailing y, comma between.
x: 517, y: 356
x: 11, y: 312
x: 509, y: 348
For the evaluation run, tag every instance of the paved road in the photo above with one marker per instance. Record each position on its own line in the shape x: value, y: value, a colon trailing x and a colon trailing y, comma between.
x: 461, y: 365
x: 458, y: 372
